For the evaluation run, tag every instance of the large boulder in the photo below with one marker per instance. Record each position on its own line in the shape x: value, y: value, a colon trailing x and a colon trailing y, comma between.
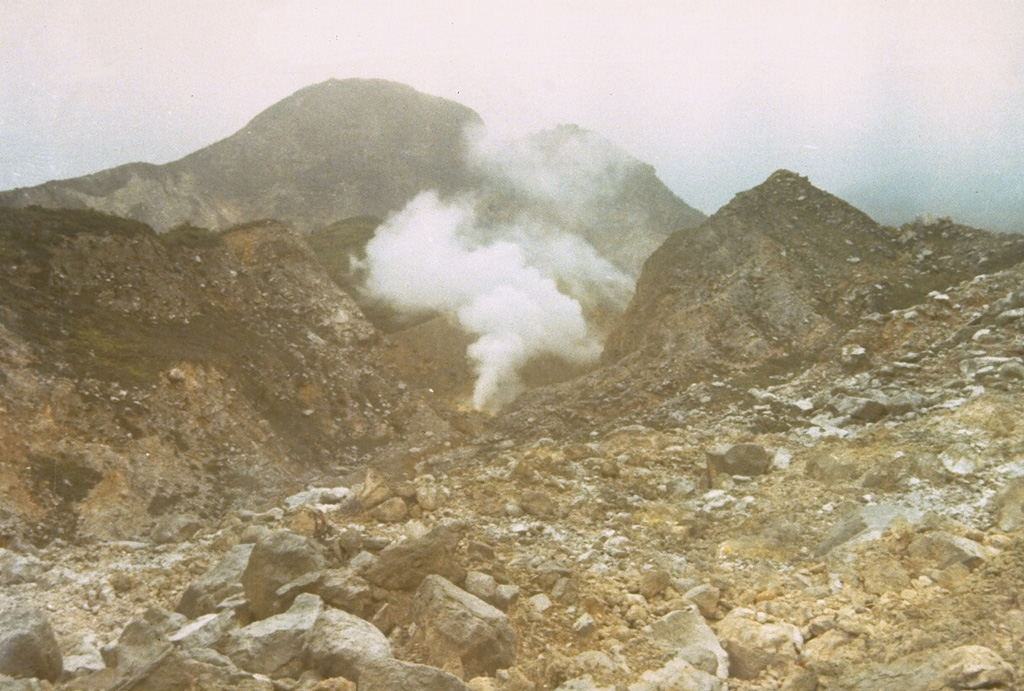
x: 678, y: 675
x: 392, y: 675
x: 219, y: 583
x: 754, y: 647
x: 276, y: 560
x: 142, y: 658
x: 19, y: 568
x: 28, y: 647
x: 345, y: 590
x: 945, y: 549
x: 686, y: 630
x: 739, y: 459
x: 976, y: 667
x: 456, y: 624
x: 343, y: 645
x: 275, y: 646
x: 404, y: 565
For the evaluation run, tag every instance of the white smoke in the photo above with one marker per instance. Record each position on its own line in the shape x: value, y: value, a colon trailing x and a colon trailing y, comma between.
x: 568, y: 165
x: 423, y: 259
x: 524, y: 286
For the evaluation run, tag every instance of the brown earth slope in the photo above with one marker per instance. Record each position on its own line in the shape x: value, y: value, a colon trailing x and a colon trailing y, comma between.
x: 178, y: 372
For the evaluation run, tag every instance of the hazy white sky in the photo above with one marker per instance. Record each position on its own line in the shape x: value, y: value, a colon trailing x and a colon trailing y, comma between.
x: 900, y: 107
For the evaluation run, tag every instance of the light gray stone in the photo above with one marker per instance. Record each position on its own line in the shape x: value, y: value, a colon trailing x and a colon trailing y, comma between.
x: 343, y: 645
x: 677, y: 675
x: 275, y: 646
x: 175, y: 527
x: 456, y: 624
x: 584, y: 625
x: 343, y: 589
x: 318, y: 496
x: 19, y: 568
x: 83, y: 655
x: 143, y: 659
x: 706, y: 597
x: 431, y: 497
x: 506, y: 595
x: 483, y: 585
x: 276, y: 560
x: 28, y: 647
x: 686, y: 630
x: 205, y: 632
x: 976, y: 667
x: 945, y: 549
x: 739, y: 459
x: 754, y: 647
x: 395, y: 675
x: 217, y: 584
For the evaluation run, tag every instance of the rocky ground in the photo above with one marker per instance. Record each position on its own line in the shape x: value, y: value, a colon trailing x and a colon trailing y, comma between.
x: 855, y: 523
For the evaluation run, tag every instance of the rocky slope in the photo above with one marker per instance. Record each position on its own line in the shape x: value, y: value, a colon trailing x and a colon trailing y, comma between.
x: 769, y: 283
x: 177, y: 373
x: 849, y: 517
x: 783, y: 269
x: 855, y: 525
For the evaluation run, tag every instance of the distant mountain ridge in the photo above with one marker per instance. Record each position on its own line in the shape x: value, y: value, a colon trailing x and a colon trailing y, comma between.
x: 783, y: 268
x: 773, y: 282
x: 350, y: 148
x: 329, y: 151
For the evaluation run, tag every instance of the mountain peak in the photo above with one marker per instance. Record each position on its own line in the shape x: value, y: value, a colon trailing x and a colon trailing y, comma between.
x: 786, y: 200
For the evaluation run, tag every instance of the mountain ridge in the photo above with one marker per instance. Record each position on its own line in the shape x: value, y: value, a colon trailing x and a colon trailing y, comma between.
x: 286, y: 160
x: 336, y: 150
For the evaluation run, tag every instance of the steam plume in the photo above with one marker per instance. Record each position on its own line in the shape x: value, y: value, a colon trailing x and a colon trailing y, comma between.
x: 518, y: 280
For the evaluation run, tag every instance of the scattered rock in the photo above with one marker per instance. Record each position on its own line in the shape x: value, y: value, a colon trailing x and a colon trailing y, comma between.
x: 976, y: 667
x: 482, y: 585
x: 28, y: 647
x: 345, y: 590
x: 83, y: 656
x: 678, y: 675
x: 393, y: 510
x: 375, y: 490
x: 739, y: 459
x: 143, y: 658
x: 276, y: 645
x: 391, y: 675
x: 944, y: 549
x: 219, y: 583
x: 695, y: 642
x: 404, y: 565
x: 19, y: 568
x: 584, y: 626
x: 654, y: 582
x: 506, y: 595
x: 537, y: 504
x: 455, y: 624
x: 860, y: 409
x: 276, y: 560
x: 320, y: 496
x: 1008, y: 506
x: 343, y: 645
x: 175, y: 528
x: 754, y: 647
x: 431, y: 497
x: 706, y: 597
